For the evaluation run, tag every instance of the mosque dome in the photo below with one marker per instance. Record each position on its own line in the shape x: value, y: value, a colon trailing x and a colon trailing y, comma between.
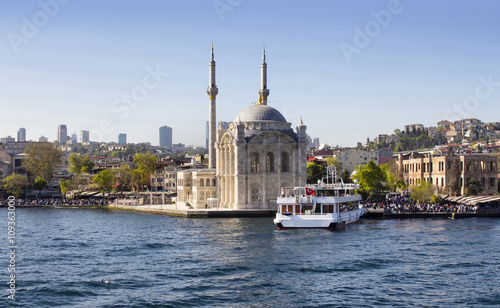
x: 259, y: 113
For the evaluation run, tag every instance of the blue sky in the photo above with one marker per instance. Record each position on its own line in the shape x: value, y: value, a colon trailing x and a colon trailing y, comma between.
x: 72, y: 62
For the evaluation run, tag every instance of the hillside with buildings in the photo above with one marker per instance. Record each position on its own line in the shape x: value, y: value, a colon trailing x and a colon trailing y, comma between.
x: 447, y: 156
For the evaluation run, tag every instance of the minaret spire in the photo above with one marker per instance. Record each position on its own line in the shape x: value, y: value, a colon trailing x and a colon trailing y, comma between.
x: 212, y: 55
x: 264, y: 91
x: 212, y: 92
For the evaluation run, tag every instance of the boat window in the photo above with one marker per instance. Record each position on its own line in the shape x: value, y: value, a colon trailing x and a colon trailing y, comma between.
x: 327, y: 208
x: 307, y: 209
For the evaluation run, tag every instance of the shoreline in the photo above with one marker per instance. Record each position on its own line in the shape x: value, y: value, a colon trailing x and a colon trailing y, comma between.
x: 378, y: 214
x: 171, y: 210
x: 168, y: 209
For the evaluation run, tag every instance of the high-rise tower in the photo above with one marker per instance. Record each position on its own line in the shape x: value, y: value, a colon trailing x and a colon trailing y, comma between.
x: 264, y: 91
x: 62, y: 133
x: 21, y: 134
x: 212, y: 92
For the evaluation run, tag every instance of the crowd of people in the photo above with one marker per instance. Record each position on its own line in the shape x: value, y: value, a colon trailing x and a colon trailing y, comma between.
x: 55, y: 202
x: 408, y: 205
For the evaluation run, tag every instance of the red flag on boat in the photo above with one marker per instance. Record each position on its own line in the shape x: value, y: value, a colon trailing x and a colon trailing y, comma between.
x: 310, y: 191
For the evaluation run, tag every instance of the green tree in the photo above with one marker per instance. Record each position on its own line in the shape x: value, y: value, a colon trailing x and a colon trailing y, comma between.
x: 14, y: 184
x: 371, y: 179
x: 346, y: 176
x: 39, y: 184
x: 314, y: 173
x: 87, y: 164
x: 65, y: 186
x: 394, y: 179
x: 75, y: 163
x: 130, y: 179
x: 145, y: 163
x: 79, y: 164
x: 41, y: 159
x: 106, y: 180
x: 473, y: 187
x: 422, y: 192
x: 453, y: 185
x: 436, y: 199
x: 332, y: 161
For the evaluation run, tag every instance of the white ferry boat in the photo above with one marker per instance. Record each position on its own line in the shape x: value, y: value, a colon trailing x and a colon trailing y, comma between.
x: 325, y: 205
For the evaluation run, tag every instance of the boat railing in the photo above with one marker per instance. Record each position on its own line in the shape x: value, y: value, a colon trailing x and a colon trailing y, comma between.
x: 341, y: 186
x: 306, y: 213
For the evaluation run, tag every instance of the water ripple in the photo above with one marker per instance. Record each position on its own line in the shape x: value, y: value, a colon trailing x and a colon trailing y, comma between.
x: 101, y: 258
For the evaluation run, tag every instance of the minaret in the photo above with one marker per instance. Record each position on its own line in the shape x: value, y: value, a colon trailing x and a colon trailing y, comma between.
x: 212, y: 93
x: 264, y: 91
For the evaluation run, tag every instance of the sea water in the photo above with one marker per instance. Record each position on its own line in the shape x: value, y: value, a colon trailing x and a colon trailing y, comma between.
x: 106, y: 258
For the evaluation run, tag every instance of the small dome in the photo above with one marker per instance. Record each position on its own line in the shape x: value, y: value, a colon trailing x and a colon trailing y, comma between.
x: 259, y: 113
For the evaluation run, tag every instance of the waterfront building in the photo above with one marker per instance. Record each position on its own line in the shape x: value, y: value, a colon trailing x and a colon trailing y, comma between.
x: 164, y: 179
x: 250, y: 160
x: 83, y: 136
x: 450, y: 172
x: 258, y: 154
x: 166, y: 137
x: 21, y: 134
x: 62, y: 134
x: 122, y: 139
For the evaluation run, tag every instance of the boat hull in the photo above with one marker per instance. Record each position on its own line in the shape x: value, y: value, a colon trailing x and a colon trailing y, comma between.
x: 326, y: 221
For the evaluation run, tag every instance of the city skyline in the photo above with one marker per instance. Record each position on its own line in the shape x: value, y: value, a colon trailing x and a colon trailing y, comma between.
x: 350, y: 69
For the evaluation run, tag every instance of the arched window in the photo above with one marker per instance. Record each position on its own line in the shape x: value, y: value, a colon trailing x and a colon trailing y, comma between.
x: 270, y: 162
x: 202, y: 182
x: 254, y: 163
x: 208, y: 182
x: 213, y: 182
x: 285, y: 162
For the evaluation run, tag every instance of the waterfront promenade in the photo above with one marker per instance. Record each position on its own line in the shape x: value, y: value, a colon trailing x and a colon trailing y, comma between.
x: 371, y: 213
x: 174, y: 210
x: 378, y: 211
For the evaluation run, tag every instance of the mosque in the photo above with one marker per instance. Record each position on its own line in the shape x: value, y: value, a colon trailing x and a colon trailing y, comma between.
x: 250, y: 161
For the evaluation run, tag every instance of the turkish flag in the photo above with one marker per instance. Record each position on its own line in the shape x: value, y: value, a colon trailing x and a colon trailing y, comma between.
x: 310, y: 191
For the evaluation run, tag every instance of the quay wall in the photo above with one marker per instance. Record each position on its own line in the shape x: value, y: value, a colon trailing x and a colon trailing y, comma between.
x: 195, y: 213
x: 387, y: 215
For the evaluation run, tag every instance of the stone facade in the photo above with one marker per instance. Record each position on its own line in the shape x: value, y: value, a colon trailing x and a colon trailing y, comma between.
x: 164, y: 179
x: 350, y: 158
x: 250, y: 160
x: 195, y: 188
x: 258, y: 155
x: 437, y: 170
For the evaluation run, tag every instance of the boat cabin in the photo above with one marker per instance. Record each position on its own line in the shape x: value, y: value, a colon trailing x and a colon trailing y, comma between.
x: 314, y: 201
